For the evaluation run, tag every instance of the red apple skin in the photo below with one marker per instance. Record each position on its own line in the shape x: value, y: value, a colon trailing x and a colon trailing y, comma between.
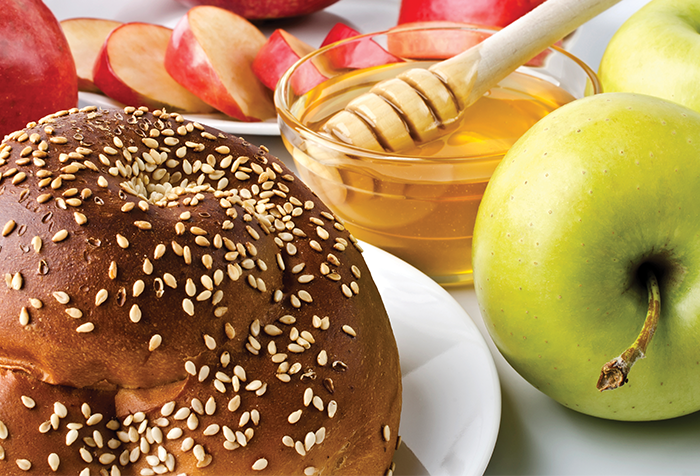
x: 265, y: 9
x: 278, y: 54
x: 37, y: 72
x: 85, y: 37
x: 497, y: 13
x: 164, y: 91
x: 190, y: 65
x: 363, y: 53
x: 432, y: 45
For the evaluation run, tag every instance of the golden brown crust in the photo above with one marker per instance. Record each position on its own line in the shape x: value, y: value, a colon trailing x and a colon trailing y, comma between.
x: 153, y: 263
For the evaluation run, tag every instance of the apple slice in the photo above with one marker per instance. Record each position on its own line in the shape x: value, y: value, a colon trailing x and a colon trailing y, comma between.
x: 498, y: 13
x: 363, y: 53
x: 85, y: 37
x: 130, y: 69
x: 211, y: 53
x: 278, y: 54
x: 410, y: 41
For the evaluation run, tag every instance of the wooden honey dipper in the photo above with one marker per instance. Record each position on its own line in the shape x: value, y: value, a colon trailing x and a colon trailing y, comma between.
x: 418, y: 104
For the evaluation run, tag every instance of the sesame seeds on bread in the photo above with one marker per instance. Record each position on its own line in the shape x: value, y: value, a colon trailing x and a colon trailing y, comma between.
x: 183, y: 285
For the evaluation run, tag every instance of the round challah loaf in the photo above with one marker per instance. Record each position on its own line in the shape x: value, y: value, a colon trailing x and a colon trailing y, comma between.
x: 177, y: 302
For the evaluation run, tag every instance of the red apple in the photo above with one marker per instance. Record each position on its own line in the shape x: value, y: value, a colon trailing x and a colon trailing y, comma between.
x: 363, y: 53
x: 86, y: 37
x: 130, y: 69
x: 410, y: 41
x: 265, y: 9
x: 497, y: 13
x: 211, y: 53
x: 37, y: 73
x: 278, y: 54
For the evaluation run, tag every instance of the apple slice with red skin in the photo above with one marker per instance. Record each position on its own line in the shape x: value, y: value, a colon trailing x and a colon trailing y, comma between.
x: 130, y: 69
x: 278, y: 54
x: 265, y: 9
x: 37, y: 72
x: 495, y: 13
x: 363, y: 53
x: 211, y: 53
x: 86, y: 37
x: 419, y: 42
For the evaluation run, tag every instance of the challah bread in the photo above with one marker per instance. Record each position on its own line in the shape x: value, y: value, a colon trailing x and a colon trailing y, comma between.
x: 183, y: 285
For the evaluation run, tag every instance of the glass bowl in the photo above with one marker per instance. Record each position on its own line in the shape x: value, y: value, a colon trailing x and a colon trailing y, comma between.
x: 419, y: 205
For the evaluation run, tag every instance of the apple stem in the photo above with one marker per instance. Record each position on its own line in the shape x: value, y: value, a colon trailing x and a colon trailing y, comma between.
x: 614, y: 373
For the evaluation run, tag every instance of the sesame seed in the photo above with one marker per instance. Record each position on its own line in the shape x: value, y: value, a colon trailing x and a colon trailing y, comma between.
x: 24, y: 316
x: 60, y: 236
x: 54, y: 461
x: 4, y: 433
x: 294, y: 417
x: 159, y: 251
x: 332, y: 408
x: 155, y: 342
x: 174, y: 433
x: 143, y: 225
x: 28, y: 402
x: 80, y: 218
x: 188, y: 306
x: 135, y: 313
x: 23, y: 464
x: 122, y: 241
x: 94, y: 419
x: 37, y: 243
x: 60, y: 409
x: 138, y: 287
x: 112, y: 272
x: 61, y: 297
x: 147, y: 266
x: 386, y: 432
x: 85, y: 328
x: 9, y: 226
x: 349, y: 330
x: 260, y: 464
x: 74, y: 312
x: 101, y: 297
x: 190, y: 368
x: 17, y: 281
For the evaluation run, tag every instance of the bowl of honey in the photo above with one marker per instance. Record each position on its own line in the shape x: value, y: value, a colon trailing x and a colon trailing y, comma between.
x: 418, y: 204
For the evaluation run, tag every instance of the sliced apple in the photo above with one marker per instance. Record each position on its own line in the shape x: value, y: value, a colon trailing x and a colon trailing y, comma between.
x: 130, y: 69
x: 85, y: 37
x: 278, y: 54
x: 211, y: 53
x: 363, y: 53
x: 413, y: 40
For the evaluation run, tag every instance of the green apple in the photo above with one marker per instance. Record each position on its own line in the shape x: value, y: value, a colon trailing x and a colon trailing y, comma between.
x: 656, y: 52
x: 586, y: 208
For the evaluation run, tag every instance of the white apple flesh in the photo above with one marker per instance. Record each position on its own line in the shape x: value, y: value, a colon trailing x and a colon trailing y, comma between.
x: 130, y: 69
x: 593, y: 196
x: 211, y: 54
x: 656, y: 52
x: 85, y: 37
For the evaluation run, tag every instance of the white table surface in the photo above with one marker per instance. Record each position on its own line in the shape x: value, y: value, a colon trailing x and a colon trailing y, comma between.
x: 537, y: 436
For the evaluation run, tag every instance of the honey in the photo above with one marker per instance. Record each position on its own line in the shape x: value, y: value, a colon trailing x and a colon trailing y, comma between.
x: 421, y: 204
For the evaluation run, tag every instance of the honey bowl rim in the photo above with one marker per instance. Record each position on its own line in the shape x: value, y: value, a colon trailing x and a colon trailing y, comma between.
x: 286, y: 119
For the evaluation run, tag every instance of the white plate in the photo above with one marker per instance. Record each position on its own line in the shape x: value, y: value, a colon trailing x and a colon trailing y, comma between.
x: 219, y: 121
x: 365, y: 16
x: 451, y: 393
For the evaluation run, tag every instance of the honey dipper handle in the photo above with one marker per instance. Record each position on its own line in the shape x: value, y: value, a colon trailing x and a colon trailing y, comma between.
x: 500, y: 54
